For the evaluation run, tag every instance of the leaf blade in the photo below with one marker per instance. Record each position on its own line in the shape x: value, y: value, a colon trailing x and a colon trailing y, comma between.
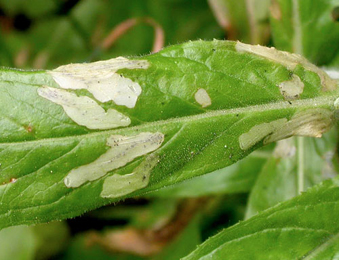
x: 294, y: 228
x: 44, y: 143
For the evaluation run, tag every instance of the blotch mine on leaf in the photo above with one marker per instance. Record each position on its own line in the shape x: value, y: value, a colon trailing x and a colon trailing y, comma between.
x: 119, y: 185
x: 259, y: 132
x: 292, y: 89
x: 202, y: 97
x: 289, y: 60
x: 312, y: 122
x: 100, y: 79
x: 124, y: 149
x: 84, y: 110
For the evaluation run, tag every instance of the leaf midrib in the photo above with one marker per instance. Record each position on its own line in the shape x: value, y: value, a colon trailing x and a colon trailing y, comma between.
x: 311, y: 102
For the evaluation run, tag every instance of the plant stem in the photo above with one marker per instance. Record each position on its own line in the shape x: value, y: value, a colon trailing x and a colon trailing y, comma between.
x: 298, y: 48
x: 297, y: 39
x: 252, y: 22
x: 300, y: 142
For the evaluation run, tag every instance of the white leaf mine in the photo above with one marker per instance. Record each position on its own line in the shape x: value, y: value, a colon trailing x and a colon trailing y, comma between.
x: 202, y: 97
x: 311, y: 122
x: 292, y: 89
x: 289, y: 60
x: 100, y: 79
x: 123, y: 149
x: 119, y: 185
x: 259, y: 132
x: 84, y: 110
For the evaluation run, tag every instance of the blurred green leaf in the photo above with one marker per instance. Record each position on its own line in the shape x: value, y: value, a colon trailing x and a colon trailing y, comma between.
x: 278, y: 180
x: 303, y: 227
x: 6, y: 58
x: 17, y: 243
x: 32, y: 8
x: 306, y: 27
x: 222, y: 212
x: 236, y: 178
x: 51, y: 239
x: 34, y: 242
x: 146, y: 216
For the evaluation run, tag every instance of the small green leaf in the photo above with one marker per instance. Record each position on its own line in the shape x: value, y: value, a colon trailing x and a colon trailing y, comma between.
x: 66, y: 134
x: 300, y: 228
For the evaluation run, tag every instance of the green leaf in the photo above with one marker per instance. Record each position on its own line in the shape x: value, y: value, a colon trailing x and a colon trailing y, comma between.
x: 279, y: 181
x: 303, y: 27
x: 83, y: 136
x: 301, y: 228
